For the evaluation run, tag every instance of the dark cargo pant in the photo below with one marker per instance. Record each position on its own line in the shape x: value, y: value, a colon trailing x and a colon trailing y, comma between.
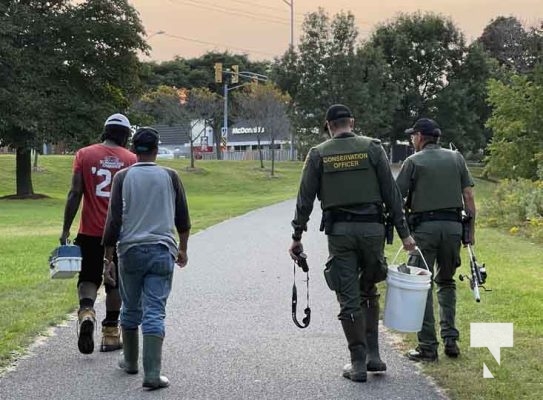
x: 440, y: 243
x: 355, y: 264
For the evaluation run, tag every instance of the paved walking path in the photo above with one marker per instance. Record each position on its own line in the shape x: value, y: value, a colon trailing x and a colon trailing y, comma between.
x: 229, y: 331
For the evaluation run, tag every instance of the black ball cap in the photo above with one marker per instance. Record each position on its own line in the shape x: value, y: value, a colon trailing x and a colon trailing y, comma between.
x: 337, y: 111
x: 145, y: 139
x: 425, y: 126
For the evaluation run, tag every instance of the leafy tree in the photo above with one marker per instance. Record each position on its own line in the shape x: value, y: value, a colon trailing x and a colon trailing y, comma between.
x: 373, y: 95
x: 461, y: 107
x: 204, y: 105
x: 196, y: 72
x: 69, y: 65
x: 265, y: 106
x: 170, y: 105
x: 319, y: 73
x: 516, y: 149
x: 504, y: 38
x: 422, y: 51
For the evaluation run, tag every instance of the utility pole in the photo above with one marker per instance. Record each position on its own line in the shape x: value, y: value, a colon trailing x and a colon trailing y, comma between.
x: 224, y: 75
x: 224, y: 131
x: 291, y: 5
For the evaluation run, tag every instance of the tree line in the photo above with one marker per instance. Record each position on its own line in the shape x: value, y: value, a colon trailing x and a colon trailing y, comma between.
x: 64, y: 67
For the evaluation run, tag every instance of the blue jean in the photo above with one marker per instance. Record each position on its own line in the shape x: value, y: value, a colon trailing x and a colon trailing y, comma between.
x: 146, y: 273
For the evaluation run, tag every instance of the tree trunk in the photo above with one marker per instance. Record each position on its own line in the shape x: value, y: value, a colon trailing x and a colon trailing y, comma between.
x: 23, y: 172
x: 217, y: 137
x: 272, y: 155
x: 35, y: 166
x: 192, y: 153
x: 260, y: 152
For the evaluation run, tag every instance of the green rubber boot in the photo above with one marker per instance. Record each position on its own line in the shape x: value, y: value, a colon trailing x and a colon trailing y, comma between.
x: 129, y: 361
x: 152, y: 363
x: 354, y: 330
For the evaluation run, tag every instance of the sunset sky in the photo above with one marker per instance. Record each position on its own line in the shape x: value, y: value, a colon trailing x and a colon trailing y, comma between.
x: 261, y: 28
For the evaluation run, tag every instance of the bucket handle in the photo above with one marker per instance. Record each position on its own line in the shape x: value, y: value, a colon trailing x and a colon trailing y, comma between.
x: 420, y: 252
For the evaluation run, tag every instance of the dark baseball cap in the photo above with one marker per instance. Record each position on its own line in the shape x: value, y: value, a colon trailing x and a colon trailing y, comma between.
x: 145, y: 139
x: 425, y: 126
x: 337, y: 111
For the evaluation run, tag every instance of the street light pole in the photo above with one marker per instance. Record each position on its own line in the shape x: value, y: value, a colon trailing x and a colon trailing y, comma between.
x: 291, y: 5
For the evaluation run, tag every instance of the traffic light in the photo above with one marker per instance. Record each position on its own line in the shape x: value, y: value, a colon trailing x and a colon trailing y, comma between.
x: 218, y: 72
x: 235, y: 74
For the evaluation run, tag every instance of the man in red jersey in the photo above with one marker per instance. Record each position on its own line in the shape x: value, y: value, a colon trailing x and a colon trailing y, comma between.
x: 93, y: 170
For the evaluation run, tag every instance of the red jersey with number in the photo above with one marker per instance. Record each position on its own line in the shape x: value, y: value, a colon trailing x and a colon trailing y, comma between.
x: 97, y: 164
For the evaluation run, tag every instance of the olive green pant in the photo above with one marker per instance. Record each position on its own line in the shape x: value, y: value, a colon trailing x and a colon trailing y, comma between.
x: 440, y: 243
x: 356, y: 263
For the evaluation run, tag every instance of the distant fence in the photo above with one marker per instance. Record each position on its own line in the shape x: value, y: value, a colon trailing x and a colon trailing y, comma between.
x: 253, y: 155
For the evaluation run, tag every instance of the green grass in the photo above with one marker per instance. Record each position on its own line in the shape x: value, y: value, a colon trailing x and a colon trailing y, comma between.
x: 29, y: 230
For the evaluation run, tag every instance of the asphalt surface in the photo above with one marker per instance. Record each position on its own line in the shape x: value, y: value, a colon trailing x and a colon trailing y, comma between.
x: 229, y: 331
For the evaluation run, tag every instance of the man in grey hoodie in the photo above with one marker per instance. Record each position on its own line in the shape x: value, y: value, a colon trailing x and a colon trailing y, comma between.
x: 147, y: 206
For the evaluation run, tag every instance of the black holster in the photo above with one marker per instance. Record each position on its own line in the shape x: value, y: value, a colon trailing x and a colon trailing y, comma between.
x: 389, y: 230
x: 413, y: 220
x: 327, y: 222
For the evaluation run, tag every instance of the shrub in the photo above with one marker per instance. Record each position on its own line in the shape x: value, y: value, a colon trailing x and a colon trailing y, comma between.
x: 517, y: 205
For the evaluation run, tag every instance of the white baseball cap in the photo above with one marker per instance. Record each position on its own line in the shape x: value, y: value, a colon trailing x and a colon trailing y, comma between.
x: 117, y: 119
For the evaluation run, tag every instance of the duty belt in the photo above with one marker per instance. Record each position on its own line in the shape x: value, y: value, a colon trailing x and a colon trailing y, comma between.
x: 350, y: 217
x: 437, y: 215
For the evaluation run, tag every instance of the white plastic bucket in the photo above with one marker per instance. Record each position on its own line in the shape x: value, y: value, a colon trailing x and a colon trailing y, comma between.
x: 405, y: 300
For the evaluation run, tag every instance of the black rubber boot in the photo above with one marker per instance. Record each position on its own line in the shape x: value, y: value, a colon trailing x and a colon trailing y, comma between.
x: 370, y: 310
x: 420, y: 354
x: 451, y: 348
x: 152, y: 363
x: 129, y: 361
x: 355, y: 334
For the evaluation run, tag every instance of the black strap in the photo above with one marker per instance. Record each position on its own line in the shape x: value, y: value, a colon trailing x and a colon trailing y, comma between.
x: 307, y: 311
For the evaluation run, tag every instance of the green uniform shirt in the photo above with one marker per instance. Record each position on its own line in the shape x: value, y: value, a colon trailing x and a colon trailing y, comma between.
x: 433, y: 179
x: 311, y: 186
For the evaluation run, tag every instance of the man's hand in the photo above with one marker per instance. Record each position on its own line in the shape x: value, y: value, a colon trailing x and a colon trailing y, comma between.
x: 110, y: 273
x: 64, y: 237
x: 182, y: 258
x: 409, y: 243
x: 295, y: 248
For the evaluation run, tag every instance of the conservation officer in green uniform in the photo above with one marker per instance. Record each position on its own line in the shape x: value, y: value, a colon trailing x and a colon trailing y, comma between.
x: 351, y: 177
x: 437, y: 186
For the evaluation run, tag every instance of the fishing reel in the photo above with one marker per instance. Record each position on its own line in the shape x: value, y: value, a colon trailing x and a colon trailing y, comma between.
x: 480, y: 274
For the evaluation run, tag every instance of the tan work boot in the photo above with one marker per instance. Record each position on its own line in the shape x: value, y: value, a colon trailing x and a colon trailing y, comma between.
x: 111, y: 339
x: 87, y: 319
